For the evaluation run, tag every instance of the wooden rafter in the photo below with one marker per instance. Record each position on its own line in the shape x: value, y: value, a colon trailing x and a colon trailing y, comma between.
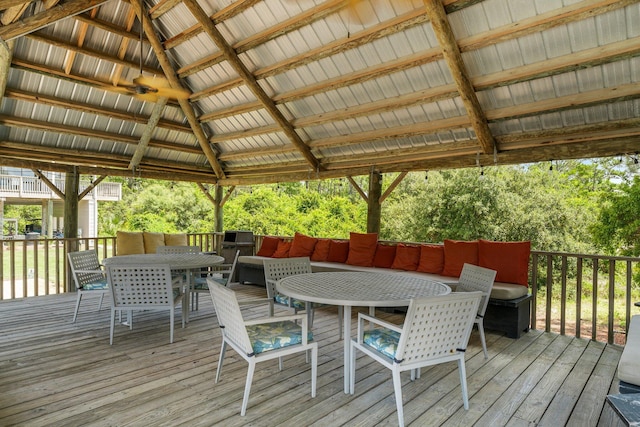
x: 251, y: 82
x: 171, y: 76
x: 148, y: 131
x: 48, y: 17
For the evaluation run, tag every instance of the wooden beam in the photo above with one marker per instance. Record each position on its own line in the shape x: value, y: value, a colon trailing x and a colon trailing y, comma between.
x: 440, y: 23
x: 92, y: 133
x: 148, y: 131
x: 392, y: 187
x: 63, y: 103
x: 46, y: 18
x: 82, y: 34
x: 356, y: 187
x: 251, y: 81
x: 171, y: 76
x: 42, y: 177
x: 6, y: 52
x: 91, y: 186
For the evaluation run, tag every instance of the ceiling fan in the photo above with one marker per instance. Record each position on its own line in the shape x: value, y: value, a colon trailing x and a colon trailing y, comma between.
x: 150, y: 88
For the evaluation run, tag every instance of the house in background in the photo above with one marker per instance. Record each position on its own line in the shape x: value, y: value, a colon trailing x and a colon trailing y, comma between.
x: 24, y: 187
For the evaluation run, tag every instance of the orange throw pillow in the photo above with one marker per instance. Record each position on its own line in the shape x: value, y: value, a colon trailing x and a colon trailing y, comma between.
x: 338, y: 251
x: 268, y: 246
x: 431, y: 259
x: 456, y: 253
x: 321, y: 251
x: 509, y: 259
x: 362, y: 249
x: 302, y: 245
x: 385, y: 254
x: 283, y: 250
x: 407, y: 257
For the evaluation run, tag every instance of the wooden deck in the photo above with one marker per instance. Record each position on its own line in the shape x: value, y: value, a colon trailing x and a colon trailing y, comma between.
x: 53, y: 372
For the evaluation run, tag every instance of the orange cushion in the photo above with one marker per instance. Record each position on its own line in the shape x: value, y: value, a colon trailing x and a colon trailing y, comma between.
x: 321, y: 251
x: 509, y: 259
x: 268, y: 246
x: 456, y: 253
x: 338, y: 251
x: 302, y: 245
x: 152, y: 241
x: 431, y: 259
x: 407, y: 257
x: 283, y: 250
x: 362, y: 249
x: 385, y: 254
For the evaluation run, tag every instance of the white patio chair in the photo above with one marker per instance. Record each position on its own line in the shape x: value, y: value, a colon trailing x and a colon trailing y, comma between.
x: 474, y: 278
x: 260, y: 339
x: 279, y: 268
x: 88, y: 275
x: 143, y: 287
x: 436, y: 330
x: 221, y: 273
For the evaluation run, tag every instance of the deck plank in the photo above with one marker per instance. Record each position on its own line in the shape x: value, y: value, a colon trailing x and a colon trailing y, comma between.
x: 56, y: 373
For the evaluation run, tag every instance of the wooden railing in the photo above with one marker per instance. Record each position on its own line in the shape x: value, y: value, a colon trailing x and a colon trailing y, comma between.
x: 573, y: 294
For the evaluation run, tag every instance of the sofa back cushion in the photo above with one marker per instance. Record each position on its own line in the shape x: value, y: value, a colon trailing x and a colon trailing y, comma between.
x: 385, y: 254
x: 407, y: 257
x: 302, y: 245
x: 456, y: 253
x: 282, y: 251
x: 362, y: 249
x: 509, y: 259
x: 321, y: 250
x: 129, y: 242
x: 152, y: 241
x: 431, y: 259
x: 268, y: 246
x: 176, y: 239
x: 338, y: 251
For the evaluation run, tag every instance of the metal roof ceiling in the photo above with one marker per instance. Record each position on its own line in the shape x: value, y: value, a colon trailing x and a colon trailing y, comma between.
x: 284, y: 90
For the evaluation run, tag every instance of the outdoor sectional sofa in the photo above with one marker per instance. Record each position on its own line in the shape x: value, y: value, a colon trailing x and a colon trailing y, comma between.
x: 509, y: 306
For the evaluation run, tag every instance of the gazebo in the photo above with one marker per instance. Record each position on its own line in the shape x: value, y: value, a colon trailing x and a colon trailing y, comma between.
x: 248, y: 92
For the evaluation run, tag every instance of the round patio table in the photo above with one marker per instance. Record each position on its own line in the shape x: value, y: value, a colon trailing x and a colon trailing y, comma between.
x: 176, y: 262
x: 352, y: 289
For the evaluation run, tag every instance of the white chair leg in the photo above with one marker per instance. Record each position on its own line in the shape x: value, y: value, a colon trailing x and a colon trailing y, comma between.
x: 340, y: 319
x: 171, y: 320
x: 314, y: 370
x: 247, y: 387
x: 222, y: 350
x: 75, y: 313
x: 397, y: 387
x: 482, y: 340
x: 352, y: 370
x: 100, y: 302
x: 463, y: 383
x: 280, y: 364
x: 113, y: 321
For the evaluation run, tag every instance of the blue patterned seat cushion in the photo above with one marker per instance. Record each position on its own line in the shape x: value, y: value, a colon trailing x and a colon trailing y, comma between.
x: 284, y: 300
x: 201, y: 283
x: 100, y: 284
x: 270, y: 336
x: 384, y: 341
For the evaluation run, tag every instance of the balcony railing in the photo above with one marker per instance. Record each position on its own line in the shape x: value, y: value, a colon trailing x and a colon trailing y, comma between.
x: 573, y: 294
x: 27, y: 187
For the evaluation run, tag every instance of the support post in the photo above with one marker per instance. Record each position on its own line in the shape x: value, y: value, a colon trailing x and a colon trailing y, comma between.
x: 218, y: 210
x: 72, y: 188
x: 374, y: 207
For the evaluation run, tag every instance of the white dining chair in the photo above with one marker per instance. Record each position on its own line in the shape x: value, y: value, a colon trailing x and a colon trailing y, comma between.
x: 259, y: 340
x: 436, y: 330
x: 475, y: 278
x: 143, y: 287
x: 89, y: 276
